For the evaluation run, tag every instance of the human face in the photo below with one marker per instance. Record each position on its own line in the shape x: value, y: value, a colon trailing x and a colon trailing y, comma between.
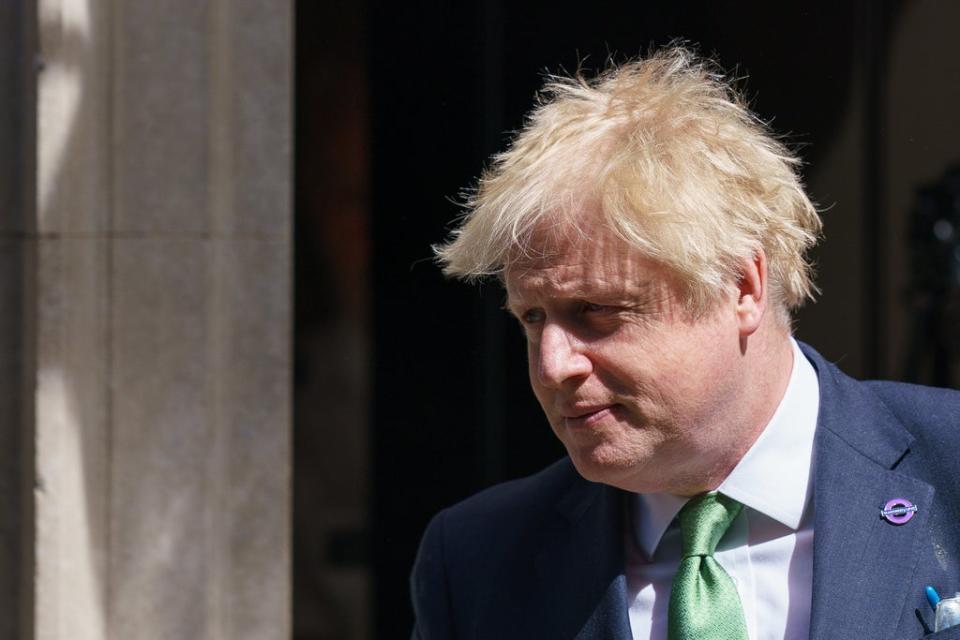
x: 644, y: 395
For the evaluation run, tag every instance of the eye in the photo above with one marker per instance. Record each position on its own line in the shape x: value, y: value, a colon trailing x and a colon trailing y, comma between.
x: 591, y: 307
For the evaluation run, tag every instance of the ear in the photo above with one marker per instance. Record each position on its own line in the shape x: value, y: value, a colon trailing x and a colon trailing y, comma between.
x: 752, y: 293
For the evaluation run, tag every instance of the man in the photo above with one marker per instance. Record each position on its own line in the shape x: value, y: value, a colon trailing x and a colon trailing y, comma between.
x: 723, y: 481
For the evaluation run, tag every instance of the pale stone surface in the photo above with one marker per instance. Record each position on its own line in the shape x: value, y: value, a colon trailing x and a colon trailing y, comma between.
x: 162, y: 117
x: 73, y: 107
x: 259, y: 96
x: 71, y: 394
x: 201, y: 411
x: 255, y: 389
x: 164, y: 427
x: 71, y: 439
x: 163, y: 320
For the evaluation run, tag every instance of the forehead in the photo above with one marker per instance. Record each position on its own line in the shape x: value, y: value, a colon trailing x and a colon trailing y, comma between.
x: 576, y: 263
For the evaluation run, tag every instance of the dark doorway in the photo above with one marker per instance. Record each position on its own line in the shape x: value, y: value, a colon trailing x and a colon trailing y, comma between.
x: 411, y: 389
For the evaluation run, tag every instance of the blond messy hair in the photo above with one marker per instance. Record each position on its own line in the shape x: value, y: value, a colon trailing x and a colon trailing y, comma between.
x: 677, y: 166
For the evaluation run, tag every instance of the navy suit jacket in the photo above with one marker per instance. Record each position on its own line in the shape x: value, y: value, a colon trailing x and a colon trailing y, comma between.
x: 543, y: 557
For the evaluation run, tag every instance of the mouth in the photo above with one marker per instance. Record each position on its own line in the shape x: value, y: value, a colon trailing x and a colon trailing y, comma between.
x: 583, y: 417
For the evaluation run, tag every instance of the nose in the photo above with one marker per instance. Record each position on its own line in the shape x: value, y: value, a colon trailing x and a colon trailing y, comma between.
x: 561, y: 357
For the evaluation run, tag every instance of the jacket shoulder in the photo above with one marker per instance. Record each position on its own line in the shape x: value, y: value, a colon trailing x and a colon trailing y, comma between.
x: 920, y: 413
x: 503, y: 516
x: 529, y: 495
x: 930, y: 414
x: 917, y: 403
x: 477, y: 548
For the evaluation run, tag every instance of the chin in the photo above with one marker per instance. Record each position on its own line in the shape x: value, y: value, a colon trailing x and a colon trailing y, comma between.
x: 601, y: 464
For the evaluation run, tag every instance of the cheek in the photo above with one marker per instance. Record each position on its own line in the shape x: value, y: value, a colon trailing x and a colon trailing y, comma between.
x: 533, y: 356
x: 664, y: 376
x: 638, y: 363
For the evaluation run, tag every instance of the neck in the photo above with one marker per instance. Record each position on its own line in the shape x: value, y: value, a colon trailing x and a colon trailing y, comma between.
x: 766, y: 366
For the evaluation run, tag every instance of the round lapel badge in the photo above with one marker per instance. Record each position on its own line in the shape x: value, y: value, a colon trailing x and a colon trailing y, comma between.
x: 898, y: 511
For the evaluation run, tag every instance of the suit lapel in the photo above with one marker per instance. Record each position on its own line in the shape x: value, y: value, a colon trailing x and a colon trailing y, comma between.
x: 862, y: 564
x: 580, y: 569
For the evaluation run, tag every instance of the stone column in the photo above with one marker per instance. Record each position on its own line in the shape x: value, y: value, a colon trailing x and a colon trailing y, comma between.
x: 162, y: 304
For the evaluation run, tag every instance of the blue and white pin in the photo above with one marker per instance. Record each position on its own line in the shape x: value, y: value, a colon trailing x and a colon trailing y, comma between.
x: 898, y: 511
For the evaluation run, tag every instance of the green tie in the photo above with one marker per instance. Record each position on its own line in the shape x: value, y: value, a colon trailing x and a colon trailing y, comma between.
x: 704, y: 603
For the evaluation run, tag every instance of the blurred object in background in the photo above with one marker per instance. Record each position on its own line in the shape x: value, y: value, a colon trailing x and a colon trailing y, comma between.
x: 934, y: 293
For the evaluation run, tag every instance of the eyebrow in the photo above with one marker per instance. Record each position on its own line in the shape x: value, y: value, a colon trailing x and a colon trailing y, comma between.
x: 599, y: 293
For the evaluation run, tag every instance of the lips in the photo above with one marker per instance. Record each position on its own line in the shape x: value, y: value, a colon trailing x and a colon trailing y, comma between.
x: 579, y: 417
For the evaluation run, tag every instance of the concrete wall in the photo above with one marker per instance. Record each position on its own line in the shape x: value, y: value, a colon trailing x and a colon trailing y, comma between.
x: 163, y: 223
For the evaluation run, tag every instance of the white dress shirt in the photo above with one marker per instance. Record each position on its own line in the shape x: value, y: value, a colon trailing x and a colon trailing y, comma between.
x: 768, y: 550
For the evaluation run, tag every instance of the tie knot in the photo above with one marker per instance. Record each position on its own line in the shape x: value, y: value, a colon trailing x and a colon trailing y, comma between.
x: 704, y: 520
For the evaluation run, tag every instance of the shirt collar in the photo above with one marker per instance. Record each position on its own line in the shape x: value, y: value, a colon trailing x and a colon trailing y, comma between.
x: 773, y: 477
